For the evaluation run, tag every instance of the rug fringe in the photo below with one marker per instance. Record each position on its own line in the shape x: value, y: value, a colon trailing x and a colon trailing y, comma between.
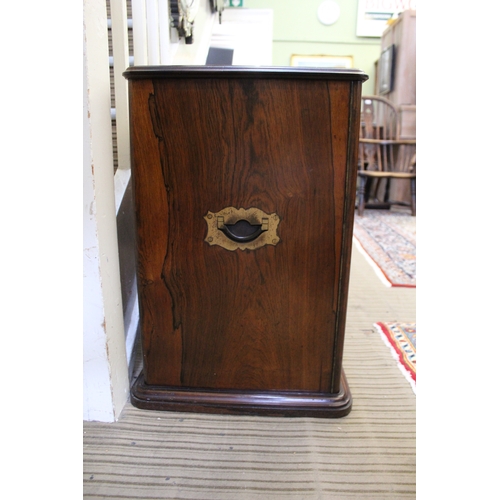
x: 372, y: 263
x: 395, y: 355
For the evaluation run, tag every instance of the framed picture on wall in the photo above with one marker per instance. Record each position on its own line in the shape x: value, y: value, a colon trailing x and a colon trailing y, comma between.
x: 374, y: 14
x: 386, y: 70
x: 322, y: 61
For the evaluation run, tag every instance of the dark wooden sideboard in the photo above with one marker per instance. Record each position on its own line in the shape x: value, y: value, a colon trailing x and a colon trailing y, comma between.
x: 244, y: 182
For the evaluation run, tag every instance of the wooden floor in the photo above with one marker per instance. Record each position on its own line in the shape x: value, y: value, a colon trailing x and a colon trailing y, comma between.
x: 370, y: 454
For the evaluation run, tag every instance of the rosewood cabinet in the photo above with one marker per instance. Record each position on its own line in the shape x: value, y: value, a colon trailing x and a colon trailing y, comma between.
x: 244, y: 185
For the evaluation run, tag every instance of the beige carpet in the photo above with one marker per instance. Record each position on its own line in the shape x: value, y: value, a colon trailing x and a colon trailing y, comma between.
x: 370, y: 454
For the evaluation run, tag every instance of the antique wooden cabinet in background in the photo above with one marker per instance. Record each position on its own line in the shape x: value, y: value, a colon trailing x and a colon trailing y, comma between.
x: 244, y: 183
x: 402, y: 36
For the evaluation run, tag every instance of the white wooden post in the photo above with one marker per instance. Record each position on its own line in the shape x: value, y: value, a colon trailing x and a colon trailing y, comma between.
x: 164, y: 28
x: 153, y: 32
x: 140, y: 32
x: 119, y: 31
x: 105, y: 371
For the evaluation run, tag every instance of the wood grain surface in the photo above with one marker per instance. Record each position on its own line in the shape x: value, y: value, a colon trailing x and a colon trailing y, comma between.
x: 270, y: 319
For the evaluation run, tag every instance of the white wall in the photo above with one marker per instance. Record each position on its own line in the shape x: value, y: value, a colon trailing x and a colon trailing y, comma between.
x: 238, y: 32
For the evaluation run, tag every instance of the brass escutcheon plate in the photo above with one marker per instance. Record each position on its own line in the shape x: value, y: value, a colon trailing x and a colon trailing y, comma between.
x: 230, y: 215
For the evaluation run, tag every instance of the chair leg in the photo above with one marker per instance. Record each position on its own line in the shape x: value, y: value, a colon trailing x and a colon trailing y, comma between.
x: 361, y: 195
x: 413, y: 184
x: 387, y: 190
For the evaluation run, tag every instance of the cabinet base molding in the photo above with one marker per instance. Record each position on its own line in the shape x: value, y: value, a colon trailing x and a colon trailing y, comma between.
x: 264, y: 403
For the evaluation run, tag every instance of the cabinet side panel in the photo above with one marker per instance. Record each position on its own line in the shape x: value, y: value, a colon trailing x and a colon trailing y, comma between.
x: 264, y: 319
x: 345, y: 194
x: 161, y: 338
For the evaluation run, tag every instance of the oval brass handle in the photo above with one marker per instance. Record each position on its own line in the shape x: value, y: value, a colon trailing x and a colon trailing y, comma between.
x: 242, y: 231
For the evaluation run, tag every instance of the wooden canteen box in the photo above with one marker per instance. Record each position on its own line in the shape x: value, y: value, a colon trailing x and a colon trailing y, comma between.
x: 244, y: 183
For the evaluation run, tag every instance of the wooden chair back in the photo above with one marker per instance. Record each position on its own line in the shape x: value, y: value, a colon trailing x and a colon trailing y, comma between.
x: 380, y: 146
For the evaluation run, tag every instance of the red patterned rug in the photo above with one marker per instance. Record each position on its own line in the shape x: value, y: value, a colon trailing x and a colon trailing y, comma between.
x: 387, y: 238
x: 401, y: 338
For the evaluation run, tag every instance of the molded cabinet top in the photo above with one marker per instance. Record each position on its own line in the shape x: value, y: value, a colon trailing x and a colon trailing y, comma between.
x: 145, y: 72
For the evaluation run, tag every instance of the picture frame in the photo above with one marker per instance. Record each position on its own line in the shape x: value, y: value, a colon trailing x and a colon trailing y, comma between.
x: 385, y: 68
x: 373, y: 15
x: 322, y: 61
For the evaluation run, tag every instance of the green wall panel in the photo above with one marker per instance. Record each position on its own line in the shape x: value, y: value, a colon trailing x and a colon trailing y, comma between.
x: 297, y: 30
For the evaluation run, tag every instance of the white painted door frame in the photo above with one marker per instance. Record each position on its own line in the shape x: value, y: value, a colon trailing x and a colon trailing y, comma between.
x: 105, y: 371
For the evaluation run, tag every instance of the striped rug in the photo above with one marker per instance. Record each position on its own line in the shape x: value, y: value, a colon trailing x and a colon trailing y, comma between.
x: 367, y: 455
